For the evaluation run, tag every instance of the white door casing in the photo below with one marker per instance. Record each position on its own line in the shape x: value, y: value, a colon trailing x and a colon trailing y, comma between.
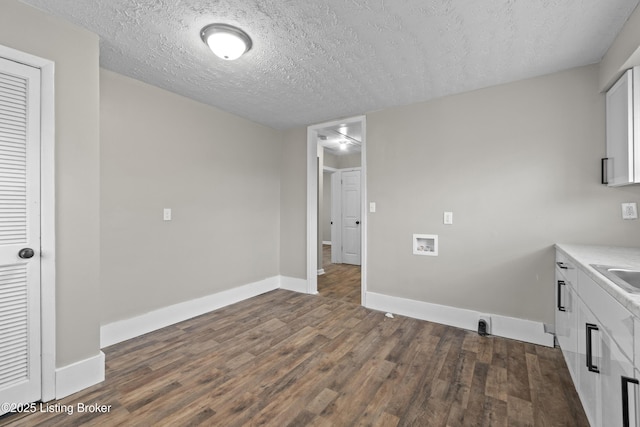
x: 312, y: 203
x: 351, y: 217
x: 20, y: 333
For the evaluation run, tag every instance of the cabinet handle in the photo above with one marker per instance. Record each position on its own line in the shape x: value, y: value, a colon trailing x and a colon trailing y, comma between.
x: 626, y: 422
x: 562, y: 265
x: 604, y: 172
x: 560, y: 306
x: 590, y: 366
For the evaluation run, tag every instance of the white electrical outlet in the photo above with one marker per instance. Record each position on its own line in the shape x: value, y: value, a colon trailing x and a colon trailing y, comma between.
x: 629, y: 210
x: 167, y: 214
x: 448, y: 218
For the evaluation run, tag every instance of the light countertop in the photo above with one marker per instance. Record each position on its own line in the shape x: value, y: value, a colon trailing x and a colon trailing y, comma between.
x: 584, y: 255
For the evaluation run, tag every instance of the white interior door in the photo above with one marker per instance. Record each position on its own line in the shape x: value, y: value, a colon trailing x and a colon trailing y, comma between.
x: 351, y: 217
x: 20, y: 341
x: 336, y: 218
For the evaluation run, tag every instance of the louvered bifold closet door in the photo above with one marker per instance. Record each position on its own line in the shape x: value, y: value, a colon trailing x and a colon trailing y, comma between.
x: 19, y: 229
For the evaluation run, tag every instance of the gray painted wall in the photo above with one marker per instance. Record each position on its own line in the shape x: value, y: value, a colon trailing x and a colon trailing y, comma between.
x: 330, y: 159
x: 293, y: 204
x: 518, y: 165
x: 349, y: 161
x: 220, y: 175
x: 75, y: 52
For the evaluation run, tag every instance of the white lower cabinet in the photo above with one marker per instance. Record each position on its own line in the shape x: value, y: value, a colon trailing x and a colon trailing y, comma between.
x: 606, y: 377
x: 566, y: 323
x: 596, y: 335
x: 618, y: 384
x: 589, y: 385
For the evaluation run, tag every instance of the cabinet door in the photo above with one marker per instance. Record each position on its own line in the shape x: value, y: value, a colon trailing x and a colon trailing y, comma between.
x: 618, y: 386
x: 619, y: 165
x: 567, y: 325
x: 589, y: 351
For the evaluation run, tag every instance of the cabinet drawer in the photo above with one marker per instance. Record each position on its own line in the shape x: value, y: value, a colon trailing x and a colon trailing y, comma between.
x: 566, y: 269
x: 612, y: 316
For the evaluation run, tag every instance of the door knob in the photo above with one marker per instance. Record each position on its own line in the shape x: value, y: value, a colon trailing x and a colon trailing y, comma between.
x: 357, y: 222
x: 26, y: 253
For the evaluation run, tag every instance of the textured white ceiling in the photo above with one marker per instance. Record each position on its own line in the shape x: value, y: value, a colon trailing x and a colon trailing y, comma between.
x: 314, y: 61
x: 332, y: 137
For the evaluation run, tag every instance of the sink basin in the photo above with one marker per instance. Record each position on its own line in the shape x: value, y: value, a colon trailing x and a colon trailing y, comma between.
x: 625, y: 278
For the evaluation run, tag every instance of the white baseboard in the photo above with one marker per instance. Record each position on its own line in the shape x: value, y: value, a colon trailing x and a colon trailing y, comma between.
x: 80, y: 375
x: 503, y: 326
x: 326, y: 242
x: 521, y: 330
x: 293, y: 284
x: 321, y: 271
x: 123, y: 330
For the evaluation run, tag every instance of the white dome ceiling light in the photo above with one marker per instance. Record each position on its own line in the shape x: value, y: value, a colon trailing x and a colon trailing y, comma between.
x: 226, y: 41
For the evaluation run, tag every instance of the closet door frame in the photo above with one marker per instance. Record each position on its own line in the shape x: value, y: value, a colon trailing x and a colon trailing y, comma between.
x: 47, y: 218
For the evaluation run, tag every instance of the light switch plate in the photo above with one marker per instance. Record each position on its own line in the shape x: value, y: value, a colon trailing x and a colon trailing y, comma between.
x: 372, y: 207
x: 167, y: 214
x: 629, y: 210
x: 448, y: 218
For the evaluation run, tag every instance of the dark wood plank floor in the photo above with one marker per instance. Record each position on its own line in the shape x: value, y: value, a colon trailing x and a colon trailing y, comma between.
x: 289, y: 359
x: 340, y: 281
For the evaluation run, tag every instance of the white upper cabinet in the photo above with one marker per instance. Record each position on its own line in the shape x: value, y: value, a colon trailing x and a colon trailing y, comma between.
x: 622, y: 164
